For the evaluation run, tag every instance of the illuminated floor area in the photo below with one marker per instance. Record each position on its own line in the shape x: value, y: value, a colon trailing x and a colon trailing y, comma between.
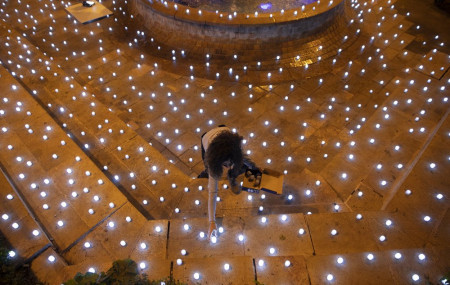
x: 99, y: 148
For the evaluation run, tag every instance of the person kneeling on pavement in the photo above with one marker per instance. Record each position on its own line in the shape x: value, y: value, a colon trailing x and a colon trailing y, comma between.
x: 222, y: 153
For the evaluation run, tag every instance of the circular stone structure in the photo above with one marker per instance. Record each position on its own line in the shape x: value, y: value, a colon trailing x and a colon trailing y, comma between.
x: 265, y: 34
x: 244, y: 6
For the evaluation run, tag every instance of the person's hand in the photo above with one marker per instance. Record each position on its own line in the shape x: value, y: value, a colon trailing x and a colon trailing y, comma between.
x: 212, y: 230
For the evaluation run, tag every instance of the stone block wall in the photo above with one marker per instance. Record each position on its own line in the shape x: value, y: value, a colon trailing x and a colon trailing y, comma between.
x: 262, y: 28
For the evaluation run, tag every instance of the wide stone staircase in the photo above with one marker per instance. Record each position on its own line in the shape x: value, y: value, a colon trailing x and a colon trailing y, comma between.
x: 81, y: 187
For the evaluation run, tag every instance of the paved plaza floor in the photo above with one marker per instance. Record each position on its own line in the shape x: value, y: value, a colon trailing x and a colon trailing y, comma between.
x: 100, y: 127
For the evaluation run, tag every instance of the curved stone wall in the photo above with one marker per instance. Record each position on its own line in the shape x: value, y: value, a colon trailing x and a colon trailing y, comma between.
x: 264, y: 27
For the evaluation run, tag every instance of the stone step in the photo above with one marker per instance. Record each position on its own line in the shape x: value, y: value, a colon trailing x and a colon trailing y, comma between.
x: 49, y: 267
x: 22, y: 231
x: 57, y: 183
x: 112, y: 144
x: 126, y: 234
x: 391, y: 266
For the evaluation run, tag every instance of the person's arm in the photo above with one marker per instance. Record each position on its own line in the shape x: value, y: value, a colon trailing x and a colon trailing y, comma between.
x: 212, y: 197
x: 248, y: 163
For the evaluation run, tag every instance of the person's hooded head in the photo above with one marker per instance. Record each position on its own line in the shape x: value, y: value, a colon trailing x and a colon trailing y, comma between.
x: 224, y: 152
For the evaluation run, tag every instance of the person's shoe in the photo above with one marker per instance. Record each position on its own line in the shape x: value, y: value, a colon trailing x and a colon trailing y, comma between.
x: 203, y: 174
x: 235, y: 187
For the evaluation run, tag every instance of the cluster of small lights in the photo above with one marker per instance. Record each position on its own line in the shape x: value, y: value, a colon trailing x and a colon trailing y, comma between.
x: 180, y: 147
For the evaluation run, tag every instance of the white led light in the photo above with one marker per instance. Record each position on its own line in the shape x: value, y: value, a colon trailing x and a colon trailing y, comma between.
x: 196, y: 275
x: 260, y: 263
x: 415, y: 277
x: 272, y: 250
x: 398, y: 255
x: 370, y: 256
x: 422, y: 256
x: 334, y: 232
x: 330, y: 277
x: 339, y: 260
x: 226, y: 267
x: 51, y: 258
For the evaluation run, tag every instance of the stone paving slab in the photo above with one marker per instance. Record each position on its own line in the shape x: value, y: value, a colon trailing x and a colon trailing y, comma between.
x: 196, y: 245
x: 364, y: 198
x: 434, y: 64
x: 282, y: 270
x: 426, y: 173
x: 88, y: 14
x: 326, y: 269
x: 126, y: 233
x: 213, y: 270
x: 48, y: 267
x: 429, y: 264
x: 277, y: 235
x: 334, y: 233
